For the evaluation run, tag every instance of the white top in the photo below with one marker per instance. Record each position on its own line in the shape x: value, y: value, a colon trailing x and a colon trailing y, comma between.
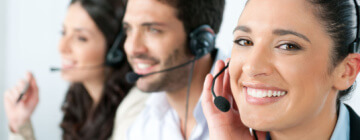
x: 128, y: 110
x: 159, y: 121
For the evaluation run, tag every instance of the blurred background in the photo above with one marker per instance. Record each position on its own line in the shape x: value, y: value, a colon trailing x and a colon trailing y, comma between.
x: 29, y: 35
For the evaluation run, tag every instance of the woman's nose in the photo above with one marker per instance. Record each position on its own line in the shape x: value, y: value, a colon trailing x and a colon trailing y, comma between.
x: 258, y: 62
x: 64, y: 45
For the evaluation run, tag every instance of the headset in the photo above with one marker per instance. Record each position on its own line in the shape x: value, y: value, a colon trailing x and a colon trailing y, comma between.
x: 354, y: 46
x: 115, y: 55
x: 224, y: 105
x: 201, y: 42
x: 113, y: 58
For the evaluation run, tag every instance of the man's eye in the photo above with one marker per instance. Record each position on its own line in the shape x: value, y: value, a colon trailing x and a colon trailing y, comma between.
x: 244, y: 42
x: 153, y: 30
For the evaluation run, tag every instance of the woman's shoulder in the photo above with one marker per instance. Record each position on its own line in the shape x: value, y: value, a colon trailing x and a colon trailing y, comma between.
x: 354, y: 124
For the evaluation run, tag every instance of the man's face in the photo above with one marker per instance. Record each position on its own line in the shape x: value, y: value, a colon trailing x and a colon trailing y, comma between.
x: 156, y: 40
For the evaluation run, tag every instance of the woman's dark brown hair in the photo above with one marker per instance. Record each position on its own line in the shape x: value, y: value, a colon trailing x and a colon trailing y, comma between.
x: 81, y: 120
x: 340, y: 19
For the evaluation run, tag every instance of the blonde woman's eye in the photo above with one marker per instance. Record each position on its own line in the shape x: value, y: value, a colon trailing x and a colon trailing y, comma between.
x: 244, y: 42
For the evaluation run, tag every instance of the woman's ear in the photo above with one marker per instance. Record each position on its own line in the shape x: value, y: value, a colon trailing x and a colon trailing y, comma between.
x: 347, y: 71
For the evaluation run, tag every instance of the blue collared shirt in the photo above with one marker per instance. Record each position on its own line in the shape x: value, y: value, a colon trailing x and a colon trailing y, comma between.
x: 342, y: 128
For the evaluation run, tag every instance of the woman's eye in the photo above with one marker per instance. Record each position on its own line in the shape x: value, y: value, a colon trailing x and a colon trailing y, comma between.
x: 244, y: 42
x: 290, y: 47
x: 82, y: 39
x: 62, y: 33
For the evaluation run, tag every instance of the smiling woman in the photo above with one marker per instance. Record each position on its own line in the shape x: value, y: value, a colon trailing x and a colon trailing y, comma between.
x: 97, y: 84
x: 288, y: 73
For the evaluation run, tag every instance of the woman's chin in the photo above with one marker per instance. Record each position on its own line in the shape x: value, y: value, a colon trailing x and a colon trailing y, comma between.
x: 70, y: 78
x: 259, y: 121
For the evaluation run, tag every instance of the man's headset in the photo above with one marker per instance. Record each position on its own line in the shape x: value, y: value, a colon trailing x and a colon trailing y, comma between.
x: 201, y: 42
x: 223, y: 104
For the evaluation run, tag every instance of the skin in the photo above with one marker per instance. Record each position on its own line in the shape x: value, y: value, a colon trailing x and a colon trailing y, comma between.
x: 82, y: 48
x: 273, y: 52
x: 157, y: 38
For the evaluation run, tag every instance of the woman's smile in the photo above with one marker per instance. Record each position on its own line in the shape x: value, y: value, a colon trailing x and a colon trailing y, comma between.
x: 262, y: 94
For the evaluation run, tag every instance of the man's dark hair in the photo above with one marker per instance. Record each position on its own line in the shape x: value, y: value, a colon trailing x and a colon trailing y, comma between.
x: 194, y: 13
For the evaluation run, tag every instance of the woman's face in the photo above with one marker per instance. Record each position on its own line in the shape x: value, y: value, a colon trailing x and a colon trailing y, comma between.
x: 82, y: 46
x: 280, y: 66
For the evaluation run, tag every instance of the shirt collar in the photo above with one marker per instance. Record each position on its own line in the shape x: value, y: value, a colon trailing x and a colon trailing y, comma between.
x: 342, y: 129
x: 158, y: 104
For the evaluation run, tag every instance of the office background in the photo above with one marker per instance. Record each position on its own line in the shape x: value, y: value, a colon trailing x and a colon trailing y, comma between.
x: 29, y: 35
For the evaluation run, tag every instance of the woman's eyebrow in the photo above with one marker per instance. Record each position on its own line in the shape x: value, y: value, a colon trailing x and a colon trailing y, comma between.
x: 282, y: 32
x: 242, y: 28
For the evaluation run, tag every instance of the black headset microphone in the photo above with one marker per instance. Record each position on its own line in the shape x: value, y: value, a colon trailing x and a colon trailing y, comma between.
x: 57, y: 69
x: 224, y: 105
x: 201, y: 42
x: 220, y: 102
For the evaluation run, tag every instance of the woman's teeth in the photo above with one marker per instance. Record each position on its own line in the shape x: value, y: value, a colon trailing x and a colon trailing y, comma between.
x: 68, y: 62
x: 260, y: 93
x: 143, y: 66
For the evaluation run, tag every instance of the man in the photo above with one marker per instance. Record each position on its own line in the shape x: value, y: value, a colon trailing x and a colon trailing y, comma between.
x: 158, y: 34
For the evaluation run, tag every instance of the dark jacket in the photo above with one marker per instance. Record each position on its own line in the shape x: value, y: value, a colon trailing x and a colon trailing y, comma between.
x: 354, y: 124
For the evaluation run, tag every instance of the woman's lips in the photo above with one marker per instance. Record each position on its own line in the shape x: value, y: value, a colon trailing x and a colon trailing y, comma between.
x: 68, y: 64
x: 261, y: 96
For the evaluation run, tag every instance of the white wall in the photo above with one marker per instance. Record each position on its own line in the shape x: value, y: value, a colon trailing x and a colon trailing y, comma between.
x: 2, y: 67
x: 32, y: 33
x: 33, y: 30
x: 233, y: 9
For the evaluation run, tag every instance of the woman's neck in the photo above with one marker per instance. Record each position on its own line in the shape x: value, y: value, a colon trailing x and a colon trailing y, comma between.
x: 319, y: 127
x: 95, y: 87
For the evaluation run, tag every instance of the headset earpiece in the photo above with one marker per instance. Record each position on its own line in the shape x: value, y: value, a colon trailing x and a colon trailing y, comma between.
x: 115, y: 55
x: 202, y: 41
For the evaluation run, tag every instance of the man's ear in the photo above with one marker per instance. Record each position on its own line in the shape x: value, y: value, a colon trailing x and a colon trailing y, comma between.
x: 347, y: 71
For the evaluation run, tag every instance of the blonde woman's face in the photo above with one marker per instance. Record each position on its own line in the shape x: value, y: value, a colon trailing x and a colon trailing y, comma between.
x: 280, y: 65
